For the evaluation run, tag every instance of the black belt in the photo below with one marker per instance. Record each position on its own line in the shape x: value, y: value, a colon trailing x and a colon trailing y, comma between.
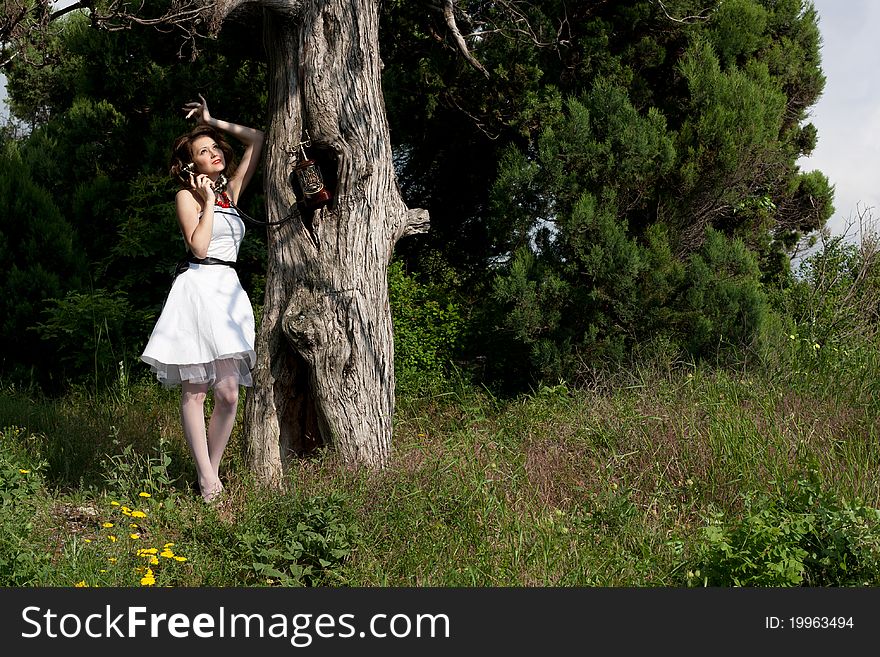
x: 184, y: 264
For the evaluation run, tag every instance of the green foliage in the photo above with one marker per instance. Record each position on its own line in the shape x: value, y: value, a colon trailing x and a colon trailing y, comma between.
x: 723, y: 301
x: 129, y: 473
x: 427, y: 323
x: 732, y: 122
x: 41, y: 260
x: 19, y: 480
x: 804, y: 537
x: 21, y: 484
x: 570, y: 290
x: 651, y: 134
x: 626, y: 293
x: 833, y: 297
x: 94, y: 333
x: 296, y: 544
x: 809, y: 204
x: 566, y: 486
x: 147, y: 244
x: 738, y: 30
x: 533, y: 306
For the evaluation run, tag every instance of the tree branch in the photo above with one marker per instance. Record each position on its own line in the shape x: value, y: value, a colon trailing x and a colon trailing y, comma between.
x: 449, y: 16
x: 704, y: 15
x: 23, y: 24
x: 187, y: 16
x: 418, y: 221
x: 66, y: 10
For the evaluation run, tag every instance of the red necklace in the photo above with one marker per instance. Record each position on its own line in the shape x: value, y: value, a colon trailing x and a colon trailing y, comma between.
x: 223, y: 200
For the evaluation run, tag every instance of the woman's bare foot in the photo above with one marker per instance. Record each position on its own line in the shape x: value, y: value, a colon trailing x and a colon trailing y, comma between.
x: 211, y: 491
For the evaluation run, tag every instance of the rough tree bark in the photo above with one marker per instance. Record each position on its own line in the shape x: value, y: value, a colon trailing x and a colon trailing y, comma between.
x: 325, y: 364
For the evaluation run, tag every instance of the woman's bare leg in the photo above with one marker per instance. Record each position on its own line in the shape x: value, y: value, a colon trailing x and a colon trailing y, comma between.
x: 222, y: 419
x: 192, y: 415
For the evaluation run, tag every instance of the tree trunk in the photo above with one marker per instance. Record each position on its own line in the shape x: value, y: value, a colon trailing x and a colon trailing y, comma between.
x: 325, y: 353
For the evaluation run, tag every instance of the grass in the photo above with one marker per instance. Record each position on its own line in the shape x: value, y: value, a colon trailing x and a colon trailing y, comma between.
x: 611, y: 485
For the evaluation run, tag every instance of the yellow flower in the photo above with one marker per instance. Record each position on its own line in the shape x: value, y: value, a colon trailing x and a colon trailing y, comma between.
x: 114, y: 503
x: 24, y: 471
x: 81, y: 584
x: 143, y: 552
x: 168, y: 554
x: 107, y: 525
x: 168, y: 545
x: 111, y: 559
x: 176, y: 558
x: 134, y: 536
x: 138, y: 514
x: 133, y: 525
x: 148, y: 579
x: 87, y: 540
x: 144, y: 495
x: 112, y: 538
x: 154, y: 561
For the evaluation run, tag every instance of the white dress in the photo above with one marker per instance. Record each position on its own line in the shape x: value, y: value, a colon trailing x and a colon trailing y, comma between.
x: 206, y: 329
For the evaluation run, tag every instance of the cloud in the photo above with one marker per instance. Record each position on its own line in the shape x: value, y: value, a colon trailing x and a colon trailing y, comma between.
x: 847, y: 116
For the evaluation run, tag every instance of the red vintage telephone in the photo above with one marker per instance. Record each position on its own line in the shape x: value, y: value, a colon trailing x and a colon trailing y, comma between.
x: 307, y: 180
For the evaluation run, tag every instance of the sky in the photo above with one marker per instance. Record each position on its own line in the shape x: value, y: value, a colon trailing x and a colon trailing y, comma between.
x: 847, y: 114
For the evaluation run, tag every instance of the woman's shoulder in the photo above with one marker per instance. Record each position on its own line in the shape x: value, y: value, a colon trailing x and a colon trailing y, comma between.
x: 185, y: 193
x: 188, y: 196
x: 187, y: 200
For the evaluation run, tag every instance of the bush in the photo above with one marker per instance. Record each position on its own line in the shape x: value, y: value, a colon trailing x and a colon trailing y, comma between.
x: 723, y: 303
x: 427, y: 325
x: 835, y: 296
x: 808, y: 538
x: 292, y: 544
x: 94, y: 333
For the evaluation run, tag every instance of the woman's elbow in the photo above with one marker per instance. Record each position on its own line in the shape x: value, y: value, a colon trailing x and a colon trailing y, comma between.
x: 198, y: 250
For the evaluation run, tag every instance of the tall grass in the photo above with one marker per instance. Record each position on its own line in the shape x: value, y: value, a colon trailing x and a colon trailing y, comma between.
x: 618, y: 484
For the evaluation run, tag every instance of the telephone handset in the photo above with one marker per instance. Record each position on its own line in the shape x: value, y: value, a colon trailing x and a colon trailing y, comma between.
x: 219, y: 187
x: 189, y: 169
x: 186, y: 171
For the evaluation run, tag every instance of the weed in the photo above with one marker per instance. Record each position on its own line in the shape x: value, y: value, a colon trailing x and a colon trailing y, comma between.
x: 804, y: 537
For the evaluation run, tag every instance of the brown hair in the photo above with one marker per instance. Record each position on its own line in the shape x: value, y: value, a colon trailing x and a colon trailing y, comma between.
x: 181, y: 152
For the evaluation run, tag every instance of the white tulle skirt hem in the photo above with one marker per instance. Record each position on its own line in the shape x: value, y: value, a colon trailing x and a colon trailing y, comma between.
x: 171, y: 375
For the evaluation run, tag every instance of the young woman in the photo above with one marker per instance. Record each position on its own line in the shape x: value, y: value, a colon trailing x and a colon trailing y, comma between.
x: 204, y: 337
